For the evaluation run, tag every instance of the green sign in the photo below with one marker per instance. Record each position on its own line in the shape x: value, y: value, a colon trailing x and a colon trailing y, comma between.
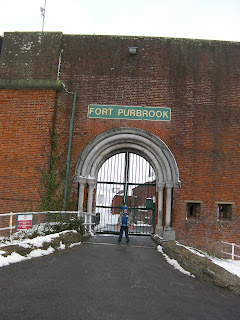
x: 129, y: 112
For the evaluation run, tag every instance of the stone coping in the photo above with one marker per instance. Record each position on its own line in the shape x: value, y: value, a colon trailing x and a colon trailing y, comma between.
x: 37, y: 84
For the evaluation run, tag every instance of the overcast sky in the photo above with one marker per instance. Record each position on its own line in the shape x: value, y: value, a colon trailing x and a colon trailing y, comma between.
x: 199, y: 19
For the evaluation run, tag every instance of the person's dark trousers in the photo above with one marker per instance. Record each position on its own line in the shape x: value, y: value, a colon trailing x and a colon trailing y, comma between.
x: 125, y: 229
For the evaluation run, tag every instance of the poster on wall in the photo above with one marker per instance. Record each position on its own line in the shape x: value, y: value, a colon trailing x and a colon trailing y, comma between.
x: 24, y: 221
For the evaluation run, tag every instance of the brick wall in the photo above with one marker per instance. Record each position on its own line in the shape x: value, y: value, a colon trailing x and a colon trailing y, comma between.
x: 26, y: 122
x: 26, y: 116
x: 197, y: 79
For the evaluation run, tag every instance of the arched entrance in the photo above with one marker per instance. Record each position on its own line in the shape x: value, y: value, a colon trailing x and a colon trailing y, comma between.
x: 139, y: 142
x: 126, y: 179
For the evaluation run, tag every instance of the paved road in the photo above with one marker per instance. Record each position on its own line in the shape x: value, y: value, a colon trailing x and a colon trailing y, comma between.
x: 101, y: 280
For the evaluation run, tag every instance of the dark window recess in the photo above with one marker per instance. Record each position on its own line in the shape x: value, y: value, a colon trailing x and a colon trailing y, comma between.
x: 193, y: 209
x: 224, y: 211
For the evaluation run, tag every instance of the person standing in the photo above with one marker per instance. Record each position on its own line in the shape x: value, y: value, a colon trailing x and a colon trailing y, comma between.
x: 125, y: 221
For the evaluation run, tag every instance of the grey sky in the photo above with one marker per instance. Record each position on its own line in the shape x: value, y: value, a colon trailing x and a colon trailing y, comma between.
x: 200, y: 19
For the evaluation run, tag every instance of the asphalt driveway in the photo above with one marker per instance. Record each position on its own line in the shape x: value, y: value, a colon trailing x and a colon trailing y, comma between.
x: 101, y: 280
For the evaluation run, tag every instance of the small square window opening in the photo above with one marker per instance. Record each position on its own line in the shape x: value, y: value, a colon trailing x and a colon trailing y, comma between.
x: 193, y: 209
x: 224, y: 211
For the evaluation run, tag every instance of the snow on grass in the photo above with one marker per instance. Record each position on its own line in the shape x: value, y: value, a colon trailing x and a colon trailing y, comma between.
x: 40, y: 229
x: 16, y: 257
x: 37, y: 241
x: 36, y: 252
x: 61, y: 246
x: 173, y: 262
x: 39, y: 253
x: 75, y: 244
x: 232, y: 266
x: 13, y: 258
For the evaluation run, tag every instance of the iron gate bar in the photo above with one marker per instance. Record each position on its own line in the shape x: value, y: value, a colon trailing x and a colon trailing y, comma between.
x: 130, y: 183
x: 107, y: 182
x: 126, y: 174
x: 133, y: 173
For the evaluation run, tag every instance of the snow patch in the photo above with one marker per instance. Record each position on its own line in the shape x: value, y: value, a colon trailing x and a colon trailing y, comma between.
x: 35, y: 253
x: 195, y: 251
x: 174, y: 263
x: 39, y: 253
x: 75, y: 244
x: 232, y: 266
x: 24, y: 245
x: 61, y: 246
x: 13, y: 258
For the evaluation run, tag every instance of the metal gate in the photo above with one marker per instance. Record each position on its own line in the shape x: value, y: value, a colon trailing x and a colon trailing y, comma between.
x: 126, y: 179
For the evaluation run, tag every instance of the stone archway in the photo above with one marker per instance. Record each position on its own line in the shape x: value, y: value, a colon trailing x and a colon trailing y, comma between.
x: 147, y: 145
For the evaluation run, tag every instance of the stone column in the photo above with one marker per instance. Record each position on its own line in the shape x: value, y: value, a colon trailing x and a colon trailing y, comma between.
x: 82, y: 182
x: 169, y: 187
x: 168, y: 234
x: 91, y: 185
x: 159, y: 226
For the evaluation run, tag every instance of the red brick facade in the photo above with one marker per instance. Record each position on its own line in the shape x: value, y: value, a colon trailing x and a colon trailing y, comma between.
x: 199, y: 80
x: 26, y: 123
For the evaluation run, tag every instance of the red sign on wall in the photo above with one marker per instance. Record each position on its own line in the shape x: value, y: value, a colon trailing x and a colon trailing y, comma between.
x: 24, y: 221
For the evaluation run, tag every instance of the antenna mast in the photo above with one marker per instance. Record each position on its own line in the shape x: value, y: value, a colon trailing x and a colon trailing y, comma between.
x: 43, y: 10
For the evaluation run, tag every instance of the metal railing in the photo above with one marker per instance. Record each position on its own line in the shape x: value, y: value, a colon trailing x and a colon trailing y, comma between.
x: 88, y: 220
x: 232, y: 254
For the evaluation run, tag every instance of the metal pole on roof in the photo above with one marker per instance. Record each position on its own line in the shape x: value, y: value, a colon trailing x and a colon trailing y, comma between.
x: 43, y: 11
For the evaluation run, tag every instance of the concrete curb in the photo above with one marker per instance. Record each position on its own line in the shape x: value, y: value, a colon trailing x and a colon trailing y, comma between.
x: 199, y: 266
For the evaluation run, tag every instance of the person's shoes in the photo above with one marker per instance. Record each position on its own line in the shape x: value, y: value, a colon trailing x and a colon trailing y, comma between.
x: 119, y: 242
x: 128, y: 244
